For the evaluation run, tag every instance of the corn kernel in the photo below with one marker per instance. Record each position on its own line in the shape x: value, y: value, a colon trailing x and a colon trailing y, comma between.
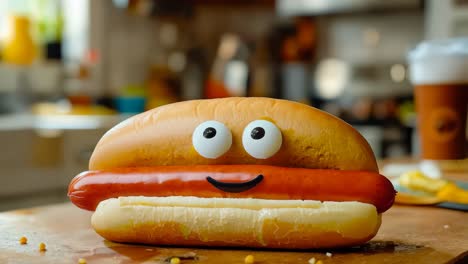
x: 175, y: 260
x: 319, y: 262
x: 249, y: 259
x: 82, y: 261
x: 42, y: 247
x: 23, y: 240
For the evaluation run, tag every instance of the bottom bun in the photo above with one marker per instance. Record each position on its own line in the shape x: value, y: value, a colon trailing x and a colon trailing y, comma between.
x: 192, y: 221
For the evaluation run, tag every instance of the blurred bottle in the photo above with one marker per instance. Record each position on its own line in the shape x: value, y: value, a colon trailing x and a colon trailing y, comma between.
x: 262, y: 72
x: 20, y: 48
x: 306, y: 38
x: 293, y: 72
x: 231, y: 72
x: 78, y: 85
x: 193, y: 75
x: 78, y: 90
x: 297, y: 54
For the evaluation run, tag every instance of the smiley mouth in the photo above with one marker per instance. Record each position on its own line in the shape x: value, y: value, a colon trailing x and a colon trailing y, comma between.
x: 235, y: 187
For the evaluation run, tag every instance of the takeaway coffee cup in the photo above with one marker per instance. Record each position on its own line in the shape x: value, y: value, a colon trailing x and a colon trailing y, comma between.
x: 439, y: 74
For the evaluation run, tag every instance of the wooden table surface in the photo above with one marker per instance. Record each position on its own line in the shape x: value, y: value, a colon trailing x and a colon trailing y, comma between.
x: 407, y: 235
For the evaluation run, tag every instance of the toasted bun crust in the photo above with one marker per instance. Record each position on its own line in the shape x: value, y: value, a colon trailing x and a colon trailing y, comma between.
x: 163, y: 136
x: 230, y: 222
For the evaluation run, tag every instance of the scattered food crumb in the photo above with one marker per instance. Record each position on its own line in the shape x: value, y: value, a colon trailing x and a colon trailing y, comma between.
x: 329, y: 254
x: 82, y: 261
x: 175, y: 260
x: 319, y: 262
x: 187, y: 256
x: 23, y: 240
x: 149, y: 249
x: 446, y: 226
x: 42, y: 247
x: 312, y: 261
x: 249, y: 259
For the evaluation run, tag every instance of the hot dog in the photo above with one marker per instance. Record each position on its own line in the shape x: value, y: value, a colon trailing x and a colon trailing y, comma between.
x: 253, y: 172
x: 91, y: 187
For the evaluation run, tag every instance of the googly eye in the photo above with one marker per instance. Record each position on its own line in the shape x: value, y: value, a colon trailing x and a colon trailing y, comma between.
x: 211, y: 139
x: 261, y: 139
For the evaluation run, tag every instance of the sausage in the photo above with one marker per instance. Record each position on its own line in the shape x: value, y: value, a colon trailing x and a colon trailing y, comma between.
x: 263, y: 181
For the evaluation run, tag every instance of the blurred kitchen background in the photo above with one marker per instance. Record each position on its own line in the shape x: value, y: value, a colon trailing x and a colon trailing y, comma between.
x: 71, y: 69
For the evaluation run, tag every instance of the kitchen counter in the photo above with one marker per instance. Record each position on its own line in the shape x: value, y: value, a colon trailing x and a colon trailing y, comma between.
x: 29, y: 121
x: 407, y: 235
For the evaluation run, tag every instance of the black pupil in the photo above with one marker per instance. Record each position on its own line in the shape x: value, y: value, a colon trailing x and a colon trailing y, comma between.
x: 209, y: 132
x: 257, y: 133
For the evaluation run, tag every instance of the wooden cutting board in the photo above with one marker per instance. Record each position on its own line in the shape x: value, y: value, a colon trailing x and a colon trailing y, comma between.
x: 407, y: 235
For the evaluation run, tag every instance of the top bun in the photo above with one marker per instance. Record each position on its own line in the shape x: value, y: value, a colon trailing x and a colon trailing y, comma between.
x: 311, y: 138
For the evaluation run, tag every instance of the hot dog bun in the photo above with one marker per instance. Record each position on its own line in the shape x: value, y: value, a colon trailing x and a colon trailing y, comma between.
x: 311, y: 138
x: 196, y: 221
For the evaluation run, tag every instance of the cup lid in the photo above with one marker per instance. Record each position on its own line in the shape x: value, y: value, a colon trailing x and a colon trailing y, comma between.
x: 436, y: 48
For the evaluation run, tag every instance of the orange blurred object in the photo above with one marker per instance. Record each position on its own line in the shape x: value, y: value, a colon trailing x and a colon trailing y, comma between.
x: 92, y: 56
x: 290, y: 50
x: 306, y: 38
x: 215, y: 89
x: 80, y: 99
x: 162, y: 87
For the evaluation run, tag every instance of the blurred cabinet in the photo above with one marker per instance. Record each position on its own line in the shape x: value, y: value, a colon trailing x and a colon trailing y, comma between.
x: 36, y: 166
x: 78, y: 147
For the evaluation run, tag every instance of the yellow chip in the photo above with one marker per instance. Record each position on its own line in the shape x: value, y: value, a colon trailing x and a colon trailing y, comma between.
x: 249, y: 259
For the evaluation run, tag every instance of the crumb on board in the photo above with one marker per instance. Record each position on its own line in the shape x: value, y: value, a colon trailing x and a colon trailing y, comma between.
x: 446, y: 226
x: 187, y: 256
x: 249, y: 259
x: 329, y: 254
x: 175, y: 260
x: 319, y: 262
x: 81, y: 261
x: 23, y: 240
x: 42, y: 247
x: 312, y: 261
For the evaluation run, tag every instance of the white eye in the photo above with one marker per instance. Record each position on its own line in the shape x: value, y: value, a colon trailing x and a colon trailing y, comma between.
x: 261, y: 139
x: 211, y: 139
